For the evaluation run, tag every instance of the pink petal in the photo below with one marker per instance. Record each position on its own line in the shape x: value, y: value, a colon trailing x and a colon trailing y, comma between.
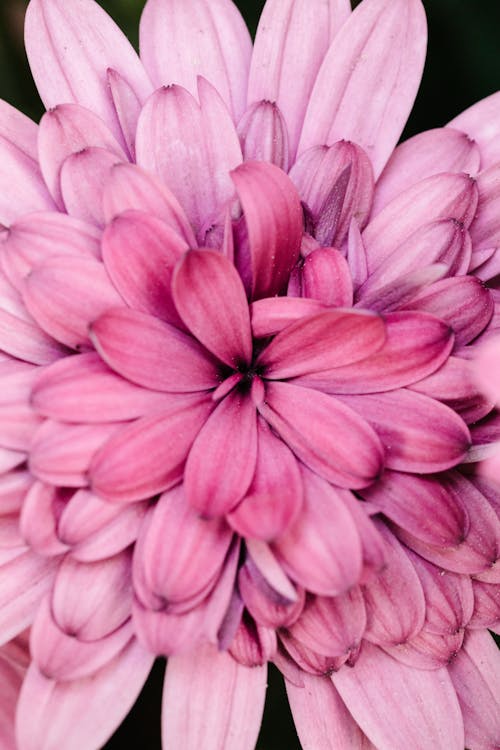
x: 83, y: 177
x: 423, y: 506
x: 13, y: 487
x: 292, y: 39
x: 178, y: 552
x: 481, y: 123
x: 416, y: 345
x: 274, y: 498
x: 33, y: 238
x: 320, y: 342
x: 321, y: 550
x: 221, y: 463
x: 486, y: 606
x: 426, y: 154
x: 325, y: 276
x: 19, y: 129
x: 22, y: 188
x: 147, y: 456
x: 396, y: 294
x: 424, y: 701
x: 65, y: 294
x: 25, y: 340
x: 273, y: 314
x: 66, y: 130
x: 476, y: 678
x: 328, y: 436
x: 127, y: 105
x: 428, y: 650
x: 83, y: 389
x: 211, y: 701
x: 70, y: 52
x: 205, y: 38
x: 140, y: 252
x: 394, y: 600
x: 25, y: 580
x: 129, y: 187
x: 381, y: 46
x: 484, y: 229
x: 263, y: 602
x: 253, y: 645
x: 210, y: 298
x: 38, y: 519
x: 11, y: 680
x: 419, y: 434
x: 83, y: 713
x: 151, y: 352
x: 442, y: 196
x: 263, y: 135
x: 321, y: 719
x: 273, y: 217
x: 182, y: 144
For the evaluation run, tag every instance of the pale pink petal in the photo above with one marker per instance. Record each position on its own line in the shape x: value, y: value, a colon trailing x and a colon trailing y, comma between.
x: 321, y: 342
x: 396, y: 294
x: 66, y: 130
x: 13, y: 488
x: 476, y: 677
x: 486, y: 606
x: 129, y: 187
x: 481, y: 122
x: 426, y: 154
x: 424, y: 702
x: 18, y: 423
x: 321, y: 719
x: 207, y: 38
x: 210, y: 298
x: 274, y: 498
x: 152, y: 353
x: 381, y: 47
x: 328, y: 436
x: 485, y: 230
x: 486, y: 367
x: 273, y: 314
x: 221, y: 463
x: 38, y: 519
x: 25, y: 340
x: 70, y: 51
x: 263, y: 135
x: 140, y: 252
x: 322, y: 549
x: 273, y: 217
x: 19, y: 129
x: 419, y: 434
x: 127, y: 105
x: 147, y: 457
x: 211, y: 701
x: 442, y: 196
x: 22, y: 188
x: 11, y: 678
x: 427, y: 650
x: 80, y: 714
x: 66, y: 294
x: 292, y: 39
x: 35, y: 237
x: 83, y: 177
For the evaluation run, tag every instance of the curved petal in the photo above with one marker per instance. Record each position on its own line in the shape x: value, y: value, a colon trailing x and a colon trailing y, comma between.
x: 205, y: 38
x: 381, y: 46
x: 83, y: 177
x: 22, y: 188
x: 263, y: 135
x: 70, y: 51
x: 481, y: 122
x: 325, y: 276
x: 272, y: 314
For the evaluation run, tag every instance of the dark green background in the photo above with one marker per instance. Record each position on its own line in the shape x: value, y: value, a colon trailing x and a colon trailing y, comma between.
x: 462, y: 67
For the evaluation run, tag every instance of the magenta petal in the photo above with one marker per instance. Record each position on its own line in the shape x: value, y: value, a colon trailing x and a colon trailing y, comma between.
x: 292, y: 39
x: 130, y: 187
x: 273, y: 314
x: 210, y: 298
x: 325, y: 276
x: 481, y: 122
x: 426, y: 154
x: 327, y: 436
x: 206, y: 38
x: 147, y: 456
x: 416, y: 345
x: 65, y: 294
x: 320, y: 342
x: 382, y: 45
x: 140, y: 252
x: 33, y: 238
x: 66, y: 130
x: 486, y: 606
x: 70, y: 52
x: 178, y: 552
x: 83, y: 713
x: 221, y: 462
x: 424, y: 701
x: 273, y: 217
x: 423, y: 506
x: 476, y: 677
x: 322, y: 549
x: 274, y: 498
x: 321, y: 718
x: 83, y: 177
x: 83, y: 389
x: 419, y: 434
x: 152, y: 353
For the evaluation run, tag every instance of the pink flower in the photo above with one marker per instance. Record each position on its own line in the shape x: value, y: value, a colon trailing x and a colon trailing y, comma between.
x: 239, y: 420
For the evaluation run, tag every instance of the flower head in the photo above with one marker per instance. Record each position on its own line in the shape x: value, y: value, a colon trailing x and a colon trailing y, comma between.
x: 239, y: 419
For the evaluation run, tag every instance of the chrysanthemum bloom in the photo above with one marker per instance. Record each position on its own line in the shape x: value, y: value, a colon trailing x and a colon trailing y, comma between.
x: 239, y: 423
